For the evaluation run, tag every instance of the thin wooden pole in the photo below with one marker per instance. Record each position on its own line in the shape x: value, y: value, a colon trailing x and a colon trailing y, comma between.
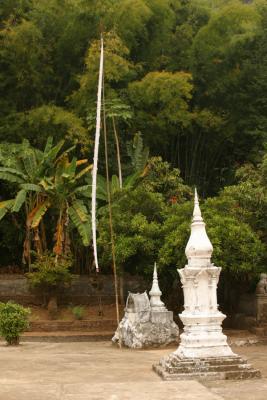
x: 95, y: 166
x: 118, y: 151
x: 121, y: 280
x: 110, y: 215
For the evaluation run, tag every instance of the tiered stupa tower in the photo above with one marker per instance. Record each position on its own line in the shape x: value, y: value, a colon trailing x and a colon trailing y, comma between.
x: 155, y: 294
x: 203, y: 350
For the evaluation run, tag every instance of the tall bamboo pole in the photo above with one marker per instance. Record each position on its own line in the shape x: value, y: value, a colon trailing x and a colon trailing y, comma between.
x: 118, y: 151
x: 96, y: 149
x: 110, y: 216
x: 121, y: 280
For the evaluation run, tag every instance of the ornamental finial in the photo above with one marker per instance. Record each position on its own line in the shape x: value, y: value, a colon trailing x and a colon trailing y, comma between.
x: 197, y: 212
x: 155, y: 293
x: 199, y: 248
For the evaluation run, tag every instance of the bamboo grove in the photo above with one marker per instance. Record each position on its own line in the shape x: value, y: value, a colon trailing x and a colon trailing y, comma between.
x: 185, y: 105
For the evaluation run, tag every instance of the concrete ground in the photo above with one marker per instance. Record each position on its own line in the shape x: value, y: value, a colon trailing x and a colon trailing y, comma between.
x: 99, y: 371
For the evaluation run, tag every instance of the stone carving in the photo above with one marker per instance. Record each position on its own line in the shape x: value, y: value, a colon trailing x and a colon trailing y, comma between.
x: 261, y: 299
x: 146, y: 323
x: 203, y: 351
x: 138, y: 307
x: 262, y: 285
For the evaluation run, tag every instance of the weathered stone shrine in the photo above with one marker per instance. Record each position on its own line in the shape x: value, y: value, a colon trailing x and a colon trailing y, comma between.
x: 203, y: 351
x: 146, y: 323
x: 261, y: 299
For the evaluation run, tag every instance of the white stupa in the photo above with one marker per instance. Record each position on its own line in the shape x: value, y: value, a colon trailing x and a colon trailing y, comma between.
x: 202, y: 321
x: 203, y: 351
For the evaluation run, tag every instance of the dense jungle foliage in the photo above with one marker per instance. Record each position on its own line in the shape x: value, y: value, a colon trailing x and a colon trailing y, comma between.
x: 186, y: 105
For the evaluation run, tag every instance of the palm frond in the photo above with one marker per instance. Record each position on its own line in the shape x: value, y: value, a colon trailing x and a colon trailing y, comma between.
x: 14, y: 171
x: 10, y: 177
x: 137, y: 152
x: 30, y: 163
x: 81, y: 162
x: 53, y: 152
x: 84, y: 171
x: 48, y: 145
x: 84, y: 190
x: 80, y: 218
x: 19, y: 200
x: 5, y: 206
x: 115, y: 184
x: 36, y: 215
x: 70, y: 169
x: 31, y: 187
x: 131, y: 180
x: 81, y: 210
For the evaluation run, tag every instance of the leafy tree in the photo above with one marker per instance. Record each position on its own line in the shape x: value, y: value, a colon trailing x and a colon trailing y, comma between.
x: 118, y: 115
x: 50, y: 275
x: 23, y: 57
x: 229, y: 66
x: 237, y: 249
x: 137, y: 226
x: 190, y: 17
x: 161, y: 103
x: 118, y: 70
x: 161, y: 178
x: 14, y: 9
x: 247, y: 199
x: 139, y: 214
x: 49, y: 120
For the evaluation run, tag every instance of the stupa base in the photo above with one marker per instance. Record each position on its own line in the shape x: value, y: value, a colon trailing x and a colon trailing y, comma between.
x: 172, y: 368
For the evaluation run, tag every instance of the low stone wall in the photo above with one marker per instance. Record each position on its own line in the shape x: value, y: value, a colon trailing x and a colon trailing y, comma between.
x: 72, y: 326
x: 85, y: 290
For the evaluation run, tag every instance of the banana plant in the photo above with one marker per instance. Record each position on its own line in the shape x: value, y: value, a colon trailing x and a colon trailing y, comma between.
x: 46, y: 180
x: 23, y: 167
x: 66, y: 195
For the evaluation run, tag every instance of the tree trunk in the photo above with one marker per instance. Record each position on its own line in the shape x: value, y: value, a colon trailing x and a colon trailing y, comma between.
x: 121, y: 282
x: 118, y: 151
x: 13, y: 341
x: 52, y: 306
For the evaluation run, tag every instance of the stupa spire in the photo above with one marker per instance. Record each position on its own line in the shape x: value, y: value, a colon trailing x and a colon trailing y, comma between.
x: 197, y: 212
x: 155, y: 293
x: 199, y: 248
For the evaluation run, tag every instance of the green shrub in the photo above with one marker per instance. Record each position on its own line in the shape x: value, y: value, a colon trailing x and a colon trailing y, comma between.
x: 50, y: 274
x: 78, y: 312
x: 13, y: 321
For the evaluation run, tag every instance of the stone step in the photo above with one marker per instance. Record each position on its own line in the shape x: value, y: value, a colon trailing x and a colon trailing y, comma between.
x: 63, y: 336
x: 77, y: 325
x: 191, y: 362
x: 247, y: 373
x: 211, y: 368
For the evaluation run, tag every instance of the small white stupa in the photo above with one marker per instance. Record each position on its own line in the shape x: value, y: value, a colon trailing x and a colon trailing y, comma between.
x: 155, y: 294
x: 203, y: 351
x: 146, y: 323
